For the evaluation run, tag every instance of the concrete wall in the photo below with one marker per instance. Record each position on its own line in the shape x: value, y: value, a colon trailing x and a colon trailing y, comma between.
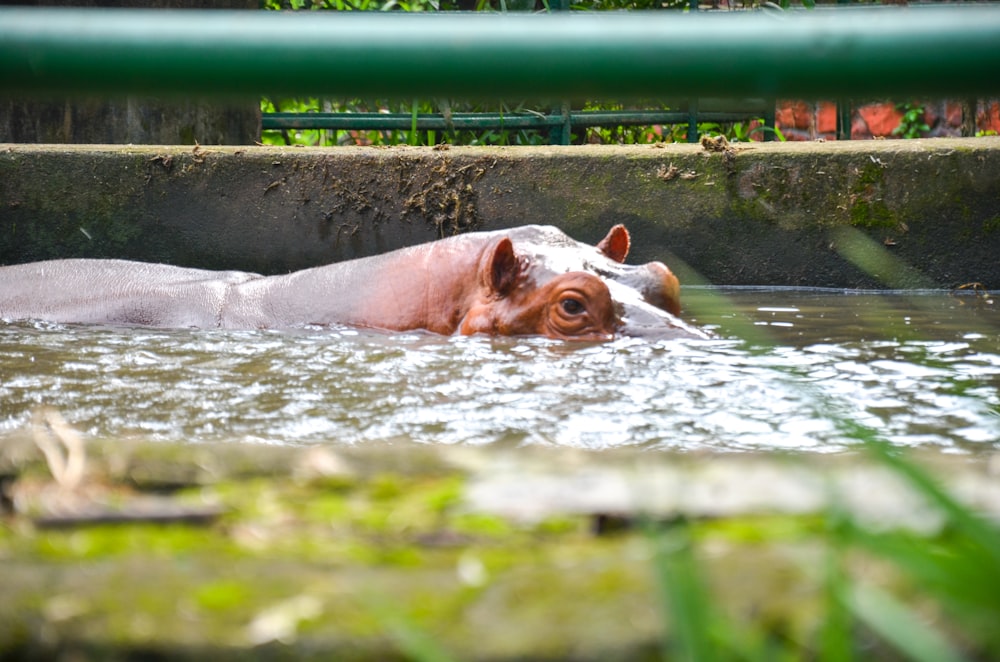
x: 858, y: 214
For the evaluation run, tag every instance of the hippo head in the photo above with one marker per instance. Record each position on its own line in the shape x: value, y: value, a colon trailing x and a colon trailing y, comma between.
x: 539, y: 281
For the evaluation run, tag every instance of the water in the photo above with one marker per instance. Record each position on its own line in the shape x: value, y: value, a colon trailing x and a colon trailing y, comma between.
x: 786, y: 368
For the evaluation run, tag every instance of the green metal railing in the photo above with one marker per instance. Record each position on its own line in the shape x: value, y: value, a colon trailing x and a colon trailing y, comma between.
x: 560, y: 124
x: 938, y: 51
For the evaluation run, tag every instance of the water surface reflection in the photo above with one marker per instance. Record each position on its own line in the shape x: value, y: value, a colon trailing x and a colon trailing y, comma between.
x: 925, y: 370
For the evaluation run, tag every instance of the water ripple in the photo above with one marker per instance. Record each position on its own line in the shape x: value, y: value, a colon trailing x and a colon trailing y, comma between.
x: 938, y: 384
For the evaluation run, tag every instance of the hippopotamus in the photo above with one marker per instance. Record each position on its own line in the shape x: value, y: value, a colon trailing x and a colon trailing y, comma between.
x: 530, y: 280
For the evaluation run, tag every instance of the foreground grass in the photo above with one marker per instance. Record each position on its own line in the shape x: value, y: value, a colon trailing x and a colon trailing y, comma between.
x: 945, y: 606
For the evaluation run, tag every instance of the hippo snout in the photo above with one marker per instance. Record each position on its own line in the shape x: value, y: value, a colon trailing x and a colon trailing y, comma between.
x: 638, y: 318
x: 651, y: 323
x: 657, y: 285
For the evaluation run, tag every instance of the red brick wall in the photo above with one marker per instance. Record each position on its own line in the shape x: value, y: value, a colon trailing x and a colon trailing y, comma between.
x: 800, y: 120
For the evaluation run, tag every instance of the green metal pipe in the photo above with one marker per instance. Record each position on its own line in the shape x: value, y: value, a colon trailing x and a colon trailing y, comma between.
x: 477, y: 121
x: 950, y: 50
x: 404, y: 121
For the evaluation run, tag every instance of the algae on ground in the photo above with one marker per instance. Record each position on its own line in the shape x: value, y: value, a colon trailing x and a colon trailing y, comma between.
x: 360, y: 555
x: 355, y: 552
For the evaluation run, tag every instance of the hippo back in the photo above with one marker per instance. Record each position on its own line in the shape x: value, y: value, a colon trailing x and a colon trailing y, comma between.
x: 116, y: 292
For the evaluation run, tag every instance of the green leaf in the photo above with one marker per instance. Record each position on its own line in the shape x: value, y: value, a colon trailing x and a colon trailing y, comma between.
x: 683, y: 593
x: 900, y: 626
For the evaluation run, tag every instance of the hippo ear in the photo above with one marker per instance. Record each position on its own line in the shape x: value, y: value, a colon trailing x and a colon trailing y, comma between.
x: 502, y: 268
x: 615, y: 246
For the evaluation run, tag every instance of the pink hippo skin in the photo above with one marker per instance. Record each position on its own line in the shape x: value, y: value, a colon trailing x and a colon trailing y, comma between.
x: 531, y: 280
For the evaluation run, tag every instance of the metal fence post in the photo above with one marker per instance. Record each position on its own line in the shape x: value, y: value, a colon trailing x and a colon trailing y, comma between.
x: 692, y: 132
x: 770, y: 119
x: 844, y: 113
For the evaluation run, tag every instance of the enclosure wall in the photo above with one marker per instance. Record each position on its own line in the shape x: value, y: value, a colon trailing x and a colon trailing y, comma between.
x: 922, y: 213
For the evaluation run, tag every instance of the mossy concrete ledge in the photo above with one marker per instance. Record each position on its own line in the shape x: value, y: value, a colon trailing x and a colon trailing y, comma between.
x: 916, y: 213
x: 407, y: 551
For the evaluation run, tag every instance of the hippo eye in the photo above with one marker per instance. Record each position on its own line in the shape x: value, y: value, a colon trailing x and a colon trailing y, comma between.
x: 572, y: 306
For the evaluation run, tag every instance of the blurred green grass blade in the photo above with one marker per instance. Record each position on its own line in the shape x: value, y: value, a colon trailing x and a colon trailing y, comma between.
x: 956, y: 573
x: 900, y: 626
x: 960, y: 516
x: 836, y: 635
x: 961, y: 569
x: 412, y: 640
x: 683, y: 594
